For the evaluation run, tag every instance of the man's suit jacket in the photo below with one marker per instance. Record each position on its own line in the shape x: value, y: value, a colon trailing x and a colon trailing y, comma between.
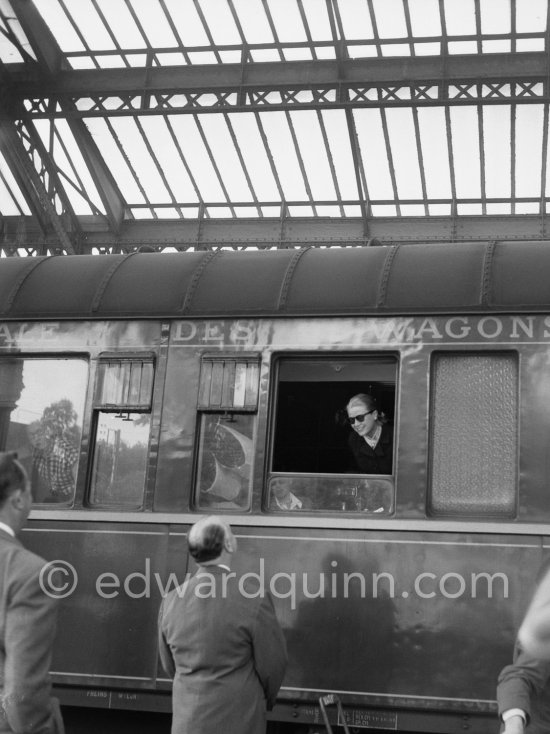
x: 525, y: 684
x: 226, y: 652
x: 27, y: 631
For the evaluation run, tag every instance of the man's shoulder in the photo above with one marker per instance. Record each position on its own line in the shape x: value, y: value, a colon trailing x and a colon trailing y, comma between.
x: 14, y: 553
x: 212, y: 584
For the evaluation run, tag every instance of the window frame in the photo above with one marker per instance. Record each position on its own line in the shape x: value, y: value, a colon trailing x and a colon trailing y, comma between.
x: 390, y: 356
x: 97, y: 408
x: 82, y: 459
x: 205, y: 409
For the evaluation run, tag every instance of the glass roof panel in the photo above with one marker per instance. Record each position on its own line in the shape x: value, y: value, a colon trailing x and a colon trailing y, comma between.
x: 115, y: 159
x: 466, y: 156
x: 255, y: 156
x: 14, y: 44
x: 154, y: 23
x: 362, y: 52
x: 121, y: 23
x: 390, y: 18
x: 253, y: 21
x: 91, y: 25
x: 529, y: 125
x: 75, y: 170
x: 395, y: 49
x: 197, y: 158
x: 283, y: 150
x: 314, y: 154
x: 218, y: 136
x: 110, y: 62
x: 287, y: 21
x: 187, y: 22
x: 60, y: 25
x: 159, y: 132
x: 340, y: 148
x: 220, y: 22
x: 460, y: 17
x: 530, y: 44
x: 58, y: 139
x: 495, y: 16
x: 462, y: 47
x: 317, y: 20
x: 404, y: 151
x: 497, y: 151
x: 9, y: 53
x: 356, y: 20
x: 297, y: 54
x: 135, y: 148
x: 425, y: 17
x: 8, y: 206
x: 82, y: 62
x: 427, y: 49
x: 531, y: 16
x: 496, y: 47
x: 12, y: 201
x: 374, y: 154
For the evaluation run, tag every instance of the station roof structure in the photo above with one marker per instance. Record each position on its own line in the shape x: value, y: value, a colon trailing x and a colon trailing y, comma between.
x: 202, y: 124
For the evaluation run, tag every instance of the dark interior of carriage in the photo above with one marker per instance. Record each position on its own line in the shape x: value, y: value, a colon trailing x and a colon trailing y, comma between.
x: 310, y: 426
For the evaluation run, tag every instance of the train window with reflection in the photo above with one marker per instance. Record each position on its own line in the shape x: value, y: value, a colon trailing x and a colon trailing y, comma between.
x: 122, y: 420
x: 227, y: 405
x: 333, y: 437
x: 41, y: 412
x: 474, y: 435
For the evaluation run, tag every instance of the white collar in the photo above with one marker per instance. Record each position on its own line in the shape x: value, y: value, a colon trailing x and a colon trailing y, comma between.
x: 7, y: 529
x: 205, y: 566
x: 373, y: 440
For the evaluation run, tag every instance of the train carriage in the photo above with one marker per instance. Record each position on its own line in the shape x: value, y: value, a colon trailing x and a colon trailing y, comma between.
x: 144, y: 390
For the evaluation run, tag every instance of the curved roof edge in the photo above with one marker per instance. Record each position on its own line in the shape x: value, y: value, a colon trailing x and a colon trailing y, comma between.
x: 428, y: 278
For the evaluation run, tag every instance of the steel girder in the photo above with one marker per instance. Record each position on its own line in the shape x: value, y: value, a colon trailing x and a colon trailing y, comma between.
x: 451, y: 80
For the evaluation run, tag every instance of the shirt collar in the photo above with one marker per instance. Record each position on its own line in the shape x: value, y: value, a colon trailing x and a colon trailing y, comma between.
x: 7, y: 529
x: 373, y: 440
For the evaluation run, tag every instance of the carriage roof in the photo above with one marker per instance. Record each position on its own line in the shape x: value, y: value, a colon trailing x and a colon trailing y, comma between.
x: 419, y: 278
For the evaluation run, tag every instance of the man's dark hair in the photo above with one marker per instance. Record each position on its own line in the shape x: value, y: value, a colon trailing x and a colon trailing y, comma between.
x: 12, y: 475
x: 209, y: 544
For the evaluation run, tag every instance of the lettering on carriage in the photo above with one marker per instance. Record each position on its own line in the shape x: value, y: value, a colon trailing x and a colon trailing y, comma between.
x: 215, y: 332
x: 461, y: 327
x: 377, y: 330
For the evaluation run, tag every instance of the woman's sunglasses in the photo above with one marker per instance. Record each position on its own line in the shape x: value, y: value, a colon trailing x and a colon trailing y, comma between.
x: 359, y: 418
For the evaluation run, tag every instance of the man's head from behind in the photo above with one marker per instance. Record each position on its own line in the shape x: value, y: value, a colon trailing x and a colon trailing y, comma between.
x: 211, y: 541
x: 15, y: 491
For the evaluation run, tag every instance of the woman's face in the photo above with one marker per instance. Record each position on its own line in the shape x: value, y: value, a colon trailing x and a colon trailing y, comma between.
x: 364, y: 419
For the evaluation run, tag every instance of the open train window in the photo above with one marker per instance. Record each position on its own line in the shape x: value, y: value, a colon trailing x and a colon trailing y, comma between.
x: 317, y: 456
x: 474, y: 434
x: 122, y: 420
x: 227, y: 405
x: 41, y: 411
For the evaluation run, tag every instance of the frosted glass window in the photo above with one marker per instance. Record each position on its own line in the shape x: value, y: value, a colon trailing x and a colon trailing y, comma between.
x: 474, y: 441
